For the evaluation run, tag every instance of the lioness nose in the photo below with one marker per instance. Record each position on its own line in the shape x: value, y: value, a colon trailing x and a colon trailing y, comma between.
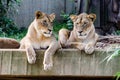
x: 50, y: 30
x: 80, y: 31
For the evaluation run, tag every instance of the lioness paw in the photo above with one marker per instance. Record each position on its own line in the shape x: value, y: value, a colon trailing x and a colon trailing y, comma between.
x: 48, y: 66
x: 31, y: 59
x: 81, y: 46
x: 89, y: 49
x: 31, y: 56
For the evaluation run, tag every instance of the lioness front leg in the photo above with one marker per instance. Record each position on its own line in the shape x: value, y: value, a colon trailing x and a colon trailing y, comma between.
x: 31, y: 56
x: 77, y: 45
x: 48, y: 56
x: 63, y: 36
x: 90, y: 47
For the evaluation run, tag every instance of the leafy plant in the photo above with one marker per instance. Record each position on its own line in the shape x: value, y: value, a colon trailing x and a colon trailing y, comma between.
x: 18, y: 35
x: 7, y: 25
x: 113, y: 55
x: 57, y: 26
x: 67, y: 20
x: 110, y: 57
x: 117, y: 32
x: 117, y: 75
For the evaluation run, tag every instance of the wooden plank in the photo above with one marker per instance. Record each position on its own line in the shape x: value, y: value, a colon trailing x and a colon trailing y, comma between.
x: 95, y: 8
x: 99, y: 63
x: 58, y: 63
x: 87, y: 64
x: 56, y: 6
x: 36, y: 68
x: 115, y: 64
x: 70, y: 63
x: 37, y: 6
x: 75, y: 62
x: 91, y: 60
x: 108, y: 66
x: 27, y: 9
x: 0, y: 62
x: 6, y: 62
x: 70, y: 6
x: 22, y: 19
x: 19, y: 63
x: 50, y: 7
x: 66, y: 62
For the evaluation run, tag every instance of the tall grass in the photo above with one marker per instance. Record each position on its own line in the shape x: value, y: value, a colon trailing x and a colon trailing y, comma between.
x: 110, y: 57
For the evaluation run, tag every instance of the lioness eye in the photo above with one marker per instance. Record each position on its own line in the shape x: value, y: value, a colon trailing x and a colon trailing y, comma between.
x: 51, y: 23
x: 45, y: 23
x: 85, y: 22
x: 77, y: 23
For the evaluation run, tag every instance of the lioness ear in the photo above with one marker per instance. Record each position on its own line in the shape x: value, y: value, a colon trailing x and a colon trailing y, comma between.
x: 52, y: 17
x: 38, y: 14
x: 73, y: 17
x: 92, y: 16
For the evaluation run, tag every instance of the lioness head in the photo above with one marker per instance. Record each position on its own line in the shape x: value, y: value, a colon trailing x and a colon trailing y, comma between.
x: 83, y: 23
x: 43, y: 23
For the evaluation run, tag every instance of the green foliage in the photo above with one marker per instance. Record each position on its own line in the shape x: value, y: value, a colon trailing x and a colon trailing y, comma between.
x: 18, y: 35
x: 110, y: 57
x: 57, y: 26
x: 113, y: 55
x: 7, y: 25
x: 6, y: 5
x: 67, y: 20
x: 116, y: 53
x: 117, y: 32
x: 117, y: 75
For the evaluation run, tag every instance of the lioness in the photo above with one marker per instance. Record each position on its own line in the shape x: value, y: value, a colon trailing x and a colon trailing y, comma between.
x: 9, y: 43
x: 83, y: 35
x: 39, y: 36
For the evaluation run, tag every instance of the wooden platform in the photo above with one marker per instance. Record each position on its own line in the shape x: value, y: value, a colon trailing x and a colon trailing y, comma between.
x: 66, y: 62
x: 52, y: 77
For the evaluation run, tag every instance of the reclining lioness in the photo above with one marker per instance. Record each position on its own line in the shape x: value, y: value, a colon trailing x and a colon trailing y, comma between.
x: 39, y: 36
x: 82, y: 36
x: 9, y: 43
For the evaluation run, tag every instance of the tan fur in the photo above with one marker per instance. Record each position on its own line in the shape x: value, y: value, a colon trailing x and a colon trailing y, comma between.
x: 39, y: 36
x: 9, y: 43
x: 82, y: 36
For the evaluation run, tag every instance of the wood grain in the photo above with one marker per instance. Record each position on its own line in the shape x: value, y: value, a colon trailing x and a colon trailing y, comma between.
x: 66, y: 62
